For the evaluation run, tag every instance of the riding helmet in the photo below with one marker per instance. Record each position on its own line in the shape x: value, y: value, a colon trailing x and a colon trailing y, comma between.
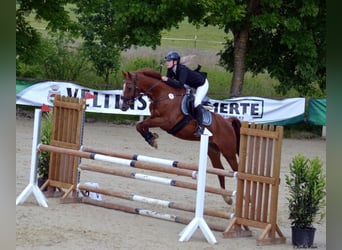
x: 172, y: 55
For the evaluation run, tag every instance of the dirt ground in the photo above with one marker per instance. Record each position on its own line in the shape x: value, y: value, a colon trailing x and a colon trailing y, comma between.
x: 80, y: 226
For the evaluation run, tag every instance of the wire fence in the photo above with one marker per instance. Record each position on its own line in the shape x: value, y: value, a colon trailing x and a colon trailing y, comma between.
x: 194, y: 40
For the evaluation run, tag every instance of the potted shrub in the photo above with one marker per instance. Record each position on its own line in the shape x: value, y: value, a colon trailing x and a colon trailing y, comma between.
x: 306, y: 183
x: 44, y: 156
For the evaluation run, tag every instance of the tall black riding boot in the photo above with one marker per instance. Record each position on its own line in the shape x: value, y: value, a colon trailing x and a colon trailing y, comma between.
x: 199, y: 119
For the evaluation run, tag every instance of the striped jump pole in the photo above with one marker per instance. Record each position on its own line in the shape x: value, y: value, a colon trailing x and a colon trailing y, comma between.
x: 155, y: 179
x: 171, y: 163
x: 146, y: 212
x: 117, y: 160
x: 159, y: 202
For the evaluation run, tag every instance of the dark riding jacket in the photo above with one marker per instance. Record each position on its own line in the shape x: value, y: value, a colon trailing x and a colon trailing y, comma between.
x: 184, y: 75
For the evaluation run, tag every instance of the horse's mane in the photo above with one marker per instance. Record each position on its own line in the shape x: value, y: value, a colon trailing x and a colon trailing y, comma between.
x: 150, y: 72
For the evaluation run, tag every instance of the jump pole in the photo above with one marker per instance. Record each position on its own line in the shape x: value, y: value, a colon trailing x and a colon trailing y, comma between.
x: 131, y: 163
x: 149, y: 200
x: 32, y: 187
x: 145, y: 212
x: 199, y: 221
x: 149, y: 159
x: 155, y: 179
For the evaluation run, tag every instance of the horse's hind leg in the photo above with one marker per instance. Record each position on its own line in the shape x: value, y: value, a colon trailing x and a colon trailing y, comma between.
x: 215, y: 158
x: 231, y: 157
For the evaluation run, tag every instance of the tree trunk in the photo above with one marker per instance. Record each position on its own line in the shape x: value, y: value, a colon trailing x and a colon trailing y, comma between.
x: 107, y: 78
x: 240, y: 51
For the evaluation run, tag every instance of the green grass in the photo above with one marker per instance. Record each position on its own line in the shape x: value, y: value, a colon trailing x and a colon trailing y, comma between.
x: 205, y: 38
x: 188, y: 30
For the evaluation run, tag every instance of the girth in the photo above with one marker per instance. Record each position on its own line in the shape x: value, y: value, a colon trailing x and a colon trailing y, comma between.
x: 181, y: 124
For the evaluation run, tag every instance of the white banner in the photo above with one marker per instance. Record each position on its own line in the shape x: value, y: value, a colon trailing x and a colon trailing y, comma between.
x: 261, y: 110
x: 252, y: 109
x: 104, y: 101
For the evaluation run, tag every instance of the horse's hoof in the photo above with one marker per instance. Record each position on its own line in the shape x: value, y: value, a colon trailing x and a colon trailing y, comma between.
x: 153, y: 143
x: 228, y: 200
x: 155, y: 136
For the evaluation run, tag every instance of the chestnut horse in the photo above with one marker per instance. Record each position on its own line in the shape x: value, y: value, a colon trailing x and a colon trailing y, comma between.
x: 166, y: 113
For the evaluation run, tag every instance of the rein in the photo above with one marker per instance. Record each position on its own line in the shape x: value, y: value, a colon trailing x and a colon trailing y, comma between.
x: 166, y: 98
x: 148, y: 92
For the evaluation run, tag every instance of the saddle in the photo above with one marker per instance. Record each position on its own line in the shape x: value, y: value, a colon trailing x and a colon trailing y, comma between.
x: 187, y: 107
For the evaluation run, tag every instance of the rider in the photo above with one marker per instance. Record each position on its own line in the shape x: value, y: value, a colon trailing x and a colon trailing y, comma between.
x: 179, y: 75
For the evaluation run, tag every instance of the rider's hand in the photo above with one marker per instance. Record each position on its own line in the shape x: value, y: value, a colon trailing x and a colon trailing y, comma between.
x: 164, y: 78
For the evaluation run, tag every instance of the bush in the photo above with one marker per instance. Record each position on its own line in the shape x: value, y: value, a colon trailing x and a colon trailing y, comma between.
x: 45, y: 138
x: 306, y: 183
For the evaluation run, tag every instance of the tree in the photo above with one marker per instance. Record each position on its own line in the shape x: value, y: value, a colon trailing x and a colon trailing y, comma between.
x: 110, y: 27
x: 97, y: 25
x: 106, y: 58
x: 62, y: 60
x: 284, y: 38
x: 54, y: 12
x: 28, y: 41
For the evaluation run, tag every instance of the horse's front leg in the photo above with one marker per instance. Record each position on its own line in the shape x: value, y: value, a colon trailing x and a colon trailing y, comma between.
x: 143, y: 129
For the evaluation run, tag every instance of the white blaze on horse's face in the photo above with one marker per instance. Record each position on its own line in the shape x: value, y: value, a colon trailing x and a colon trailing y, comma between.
x: 122, y: 94
x: 123, y: 88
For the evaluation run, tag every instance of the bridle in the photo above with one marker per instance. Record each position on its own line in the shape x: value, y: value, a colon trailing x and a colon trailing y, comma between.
x: 136, y: 89
x: 132, y: 98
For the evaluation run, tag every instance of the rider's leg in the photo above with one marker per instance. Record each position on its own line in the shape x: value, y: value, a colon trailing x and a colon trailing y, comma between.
x: 199, y: 119
x: 200, y: 94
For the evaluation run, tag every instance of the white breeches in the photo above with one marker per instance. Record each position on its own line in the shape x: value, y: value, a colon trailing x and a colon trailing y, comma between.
x: 201, y: 92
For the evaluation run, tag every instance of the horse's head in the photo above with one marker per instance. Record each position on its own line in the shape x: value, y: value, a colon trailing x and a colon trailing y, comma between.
x: 130, y: 90
x: 134, y: 87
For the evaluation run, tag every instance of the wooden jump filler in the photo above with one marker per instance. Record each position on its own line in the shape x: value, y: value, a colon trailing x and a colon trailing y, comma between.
x: 258, y: 184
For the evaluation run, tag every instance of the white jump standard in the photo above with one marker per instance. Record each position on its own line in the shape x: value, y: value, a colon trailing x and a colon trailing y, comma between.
x: 32, y: 187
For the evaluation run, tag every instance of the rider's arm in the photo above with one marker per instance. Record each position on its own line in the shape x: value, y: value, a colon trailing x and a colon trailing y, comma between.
x: 174, y: 83
x: 182, y: 75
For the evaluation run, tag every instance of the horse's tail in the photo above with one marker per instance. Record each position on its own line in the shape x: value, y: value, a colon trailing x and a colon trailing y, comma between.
x: 236, y: 125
